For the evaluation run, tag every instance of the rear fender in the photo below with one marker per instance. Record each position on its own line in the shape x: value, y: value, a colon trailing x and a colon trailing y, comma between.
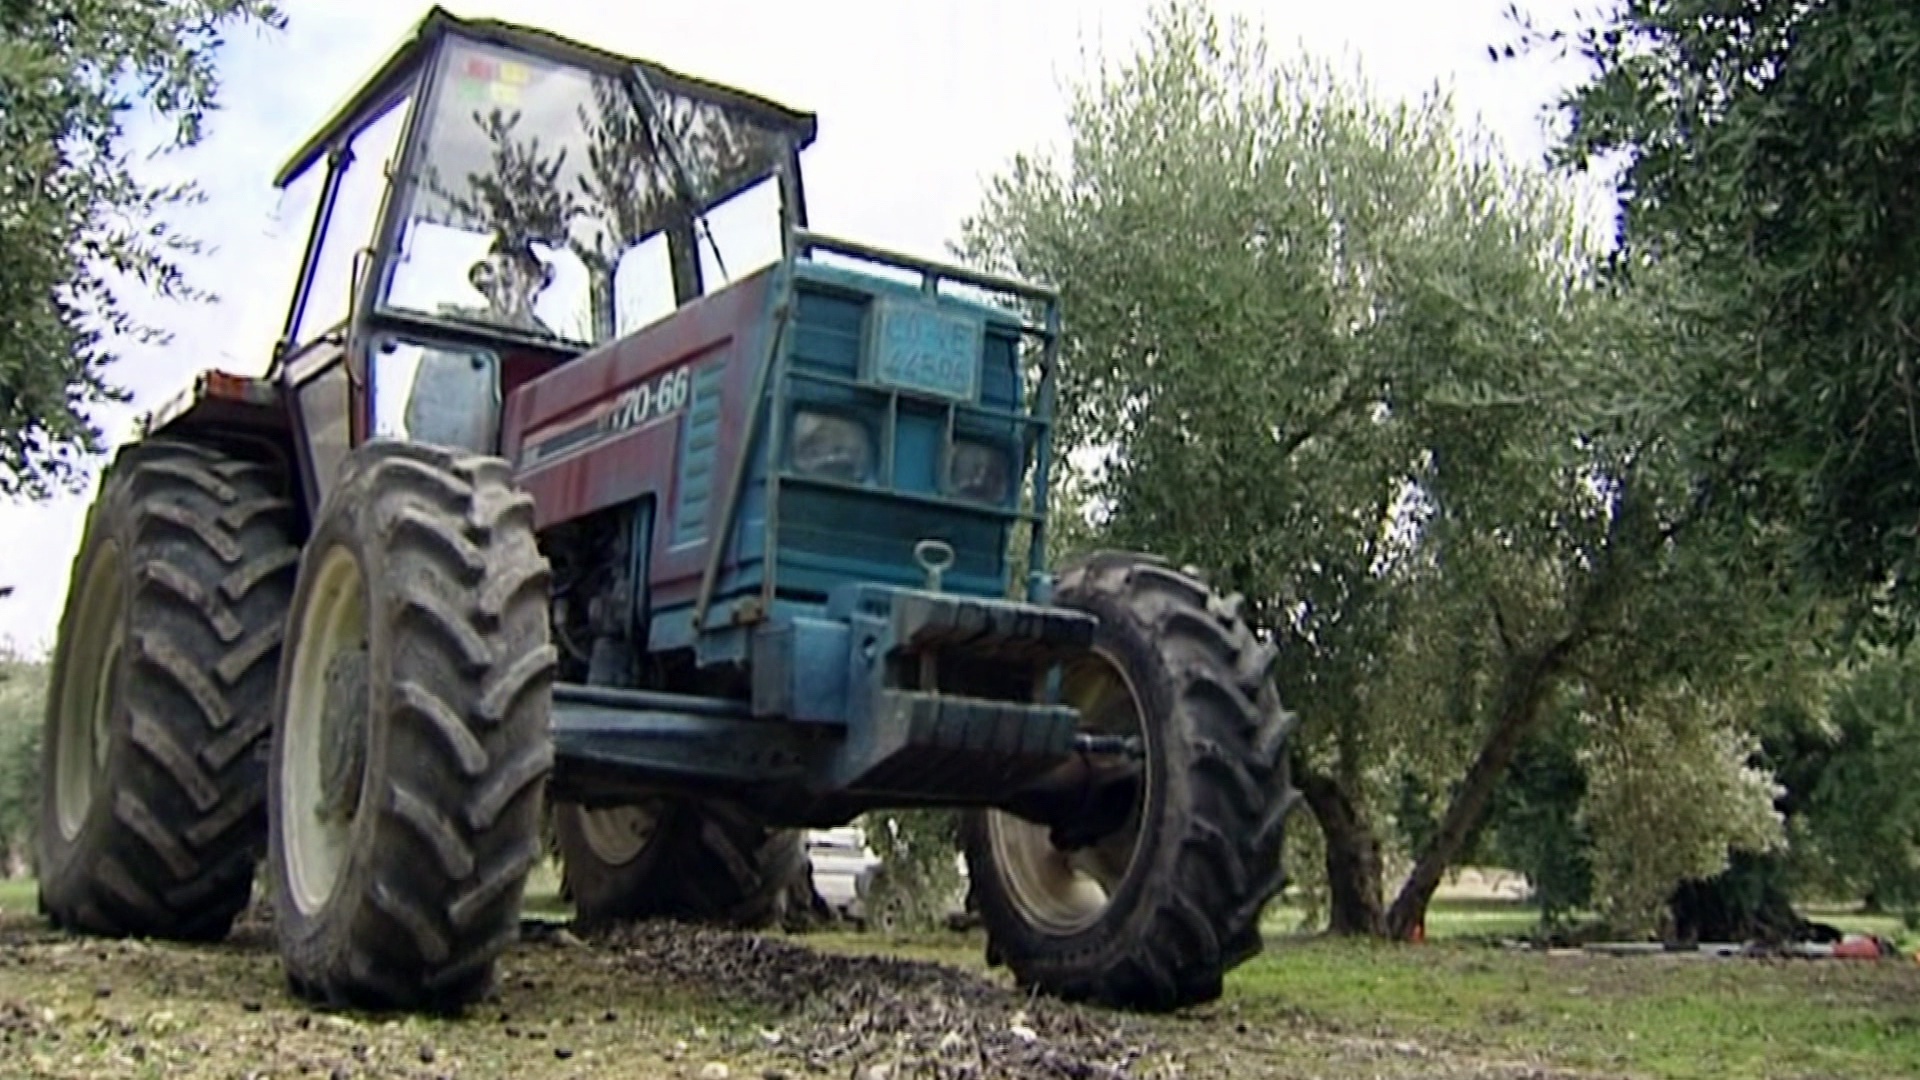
x: 219, y: 400
x: 231, y: 411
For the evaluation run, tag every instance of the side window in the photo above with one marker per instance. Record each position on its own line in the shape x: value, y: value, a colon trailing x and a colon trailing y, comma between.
x: 432, y: 393
x: 324, y: 413
x: 746, y: 229
x: 643, y: 285
x: 356, y: 212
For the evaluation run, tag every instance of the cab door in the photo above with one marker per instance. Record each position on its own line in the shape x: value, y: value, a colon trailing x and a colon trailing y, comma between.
x: 328, y: 411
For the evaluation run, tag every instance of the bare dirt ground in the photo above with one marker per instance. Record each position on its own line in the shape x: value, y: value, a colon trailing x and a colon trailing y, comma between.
x: 655, y: 1001
x: 676, y: 1002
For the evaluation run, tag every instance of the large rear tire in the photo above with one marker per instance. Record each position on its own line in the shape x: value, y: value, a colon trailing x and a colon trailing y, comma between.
x: 701, y: 862
x: 413, y: 739
x: 160, y: 697
x: 1154, y: 913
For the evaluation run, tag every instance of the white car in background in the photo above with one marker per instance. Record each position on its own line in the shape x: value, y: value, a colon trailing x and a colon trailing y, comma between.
x: 843, y: 866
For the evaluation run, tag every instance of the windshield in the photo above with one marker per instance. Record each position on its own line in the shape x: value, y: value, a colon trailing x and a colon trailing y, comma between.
x: 543, y: 194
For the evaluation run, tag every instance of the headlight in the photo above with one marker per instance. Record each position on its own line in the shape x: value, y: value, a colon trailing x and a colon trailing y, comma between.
x: 830, y: 446
x: 979, y: 472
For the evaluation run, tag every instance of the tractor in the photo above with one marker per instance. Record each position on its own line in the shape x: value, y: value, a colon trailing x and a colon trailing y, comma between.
x: 588, y: 483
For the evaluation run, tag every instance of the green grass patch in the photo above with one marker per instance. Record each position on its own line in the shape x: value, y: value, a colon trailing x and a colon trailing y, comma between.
x: 1850, y: 918
x: 19, y: 896
x: 1667, y: 1016
x: 1457, y: 1006
x: 1322, y: 1005
x: 1446, y: 919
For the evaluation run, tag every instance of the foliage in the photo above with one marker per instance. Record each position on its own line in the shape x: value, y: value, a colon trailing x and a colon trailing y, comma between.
x: 520, y: 198
x: 1861, y: 811
x: 1453, y: 497
x: 1766, y: 152
x: 919, y: 877
x: 1307, y: 899
x: 1536, y: 824
x: 23, y: 685
x: 1671, y: 788
x: 75, y: 218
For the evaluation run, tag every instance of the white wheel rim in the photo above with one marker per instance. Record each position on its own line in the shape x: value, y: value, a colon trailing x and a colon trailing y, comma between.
x: 334, y: 622
x: 1060, y: 892
x: 617, y: 834
x: 90, y: 671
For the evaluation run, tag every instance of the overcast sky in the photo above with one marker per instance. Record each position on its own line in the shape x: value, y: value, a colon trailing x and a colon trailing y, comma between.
x: 919, y: 101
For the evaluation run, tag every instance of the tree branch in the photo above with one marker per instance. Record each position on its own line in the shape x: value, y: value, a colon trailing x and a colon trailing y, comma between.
x: 1507, y: 646
x: 1352, y: 398
x: 1523, y: 692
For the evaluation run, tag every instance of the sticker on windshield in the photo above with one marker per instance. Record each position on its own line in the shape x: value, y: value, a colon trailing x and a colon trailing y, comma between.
x: 498, y: 81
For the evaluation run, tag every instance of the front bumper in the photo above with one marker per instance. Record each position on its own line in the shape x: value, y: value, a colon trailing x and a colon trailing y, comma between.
x: 889, y: 698
x: 939, y: 696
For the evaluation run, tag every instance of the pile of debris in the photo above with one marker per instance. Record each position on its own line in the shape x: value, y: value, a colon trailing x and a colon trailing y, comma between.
x: 869, y: 1016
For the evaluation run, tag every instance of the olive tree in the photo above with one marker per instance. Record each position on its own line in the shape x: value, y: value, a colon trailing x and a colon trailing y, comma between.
x: 23, y: 685
x: 77, y: 222
x: 1765, y: 150
x: 1339, y: 352
x: 1763, y: 153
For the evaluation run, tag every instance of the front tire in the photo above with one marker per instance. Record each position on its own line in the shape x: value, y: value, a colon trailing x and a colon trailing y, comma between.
x: 1153, y: 914
x: 701, y: 862
x: 413, y: 740
x: 160, y: 697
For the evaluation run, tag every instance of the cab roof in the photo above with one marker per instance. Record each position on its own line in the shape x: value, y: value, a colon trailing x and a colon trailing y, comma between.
x: 406, y: 60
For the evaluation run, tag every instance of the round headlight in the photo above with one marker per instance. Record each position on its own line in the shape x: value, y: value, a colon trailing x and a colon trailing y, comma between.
x: 830, y: 446
x: 980, y: 472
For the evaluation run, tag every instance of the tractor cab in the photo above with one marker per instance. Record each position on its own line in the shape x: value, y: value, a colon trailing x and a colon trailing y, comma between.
x: 497, y: 204
x: 495, y: 201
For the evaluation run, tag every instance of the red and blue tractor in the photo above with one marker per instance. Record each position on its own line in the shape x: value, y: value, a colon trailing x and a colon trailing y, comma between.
x: 542, y: 506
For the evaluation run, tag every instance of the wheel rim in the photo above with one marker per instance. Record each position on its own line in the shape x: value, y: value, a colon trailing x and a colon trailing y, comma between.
x: 323, y: 766
x: 617, y: 834
x: 90, y: 675
x: 1060, y: 892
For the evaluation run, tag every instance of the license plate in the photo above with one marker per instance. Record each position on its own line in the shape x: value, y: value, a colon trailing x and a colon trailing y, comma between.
x: 921, y: 348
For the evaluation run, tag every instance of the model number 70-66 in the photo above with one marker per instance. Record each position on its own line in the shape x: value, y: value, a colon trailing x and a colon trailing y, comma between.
x: 658, y: 397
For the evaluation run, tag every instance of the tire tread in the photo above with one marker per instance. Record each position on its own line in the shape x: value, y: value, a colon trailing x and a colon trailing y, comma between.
x: 1197, y: 917
x: 467, y: 718
x: 209, y: 546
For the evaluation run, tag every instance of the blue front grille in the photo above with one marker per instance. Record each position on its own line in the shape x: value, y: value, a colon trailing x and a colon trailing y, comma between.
x: 833, y: 535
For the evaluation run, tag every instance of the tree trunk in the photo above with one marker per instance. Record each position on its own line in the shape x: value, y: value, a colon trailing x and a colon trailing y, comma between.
x: 1529, y: 675
x: 1745, y: 902
x: 1528, y: 678
x: 1353, y: 858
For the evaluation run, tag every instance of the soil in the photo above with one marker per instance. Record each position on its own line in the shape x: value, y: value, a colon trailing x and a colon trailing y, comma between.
x: 655, y: 1000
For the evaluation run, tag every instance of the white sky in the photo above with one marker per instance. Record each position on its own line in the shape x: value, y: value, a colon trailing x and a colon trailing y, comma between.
x: 919, y: 101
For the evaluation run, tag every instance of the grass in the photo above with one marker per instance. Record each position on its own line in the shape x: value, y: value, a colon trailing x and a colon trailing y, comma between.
x: 1456, y: 918
x: 1326, y: 1003
x: 1457, y: 999
x: 1447, y: 919
x: 1850, y: 918
x: 1453, y: 1007
x: 1667, y: 1016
